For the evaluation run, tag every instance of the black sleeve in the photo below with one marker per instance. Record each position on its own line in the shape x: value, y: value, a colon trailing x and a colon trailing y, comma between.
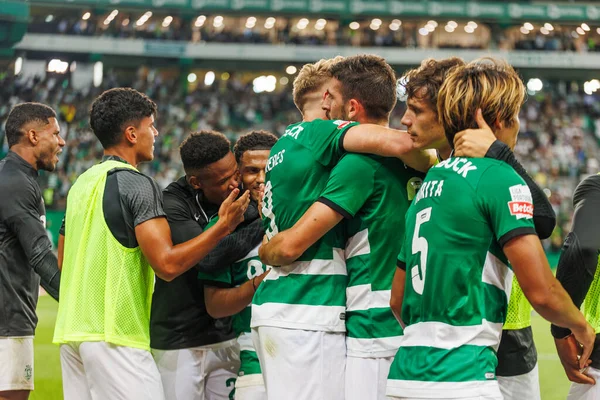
x: 141, y: 194
x: 544, y: 217
x: 49, y: 274
x: 236, y: 245
x: 579, y: 255
x: 401, y: 265
x: 22, y: 216
x: 230, y: 249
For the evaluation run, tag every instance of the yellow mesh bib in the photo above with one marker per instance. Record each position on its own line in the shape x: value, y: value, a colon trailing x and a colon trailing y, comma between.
x: 105, y: 288
x: 590, y: 307
x: 519, y: 309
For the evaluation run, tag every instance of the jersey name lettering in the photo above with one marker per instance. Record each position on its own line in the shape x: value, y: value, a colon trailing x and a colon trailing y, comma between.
x: 294, y: 132
x: 430, y: 189
x: 274, y: 160
x: 459, y: 165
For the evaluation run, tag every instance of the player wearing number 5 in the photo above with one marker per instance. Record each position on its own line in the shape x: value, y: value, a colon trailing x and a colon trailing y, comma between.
x: 229, y: 291
x: 452, y: 285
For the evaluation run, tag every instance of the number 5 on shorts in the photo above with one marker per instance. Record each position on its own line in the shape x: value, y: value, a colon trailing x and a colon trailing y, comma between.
x: 420, y: 245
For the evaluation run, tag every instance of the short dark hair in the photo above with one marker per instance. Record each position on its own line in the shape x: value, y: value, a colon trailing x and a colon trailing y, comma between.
x: 430, y: 76
x: 114, y: 109
x: 203, y: 148
x: 370, y: 80
x: 23, y: 114
x: 255, y: 140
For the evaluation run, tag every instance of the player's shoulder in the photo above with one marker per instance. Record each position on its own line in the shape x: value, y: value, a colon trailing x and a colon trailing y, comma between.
x: 133, y: 182
x: 319, y: 124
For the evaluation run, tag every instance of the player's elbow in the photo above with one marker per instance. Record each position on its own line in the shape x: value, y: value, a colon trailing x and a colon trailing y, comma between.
x: 542, y: 298
x: 165, y: 270
x: 290, y: 253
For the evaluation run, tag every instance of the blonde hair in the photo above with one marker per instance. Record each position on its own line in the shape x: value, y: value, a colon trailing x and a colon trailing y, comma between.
x: 487, y: 83
x: 310, y: 78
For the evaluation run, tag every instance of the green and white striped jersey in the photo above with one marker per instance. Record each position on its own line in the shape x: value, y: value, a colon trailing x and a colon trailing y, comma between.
x: 381, y: 190
x: 310, y: 293
x: 457, y: 284
x: 237, y: 274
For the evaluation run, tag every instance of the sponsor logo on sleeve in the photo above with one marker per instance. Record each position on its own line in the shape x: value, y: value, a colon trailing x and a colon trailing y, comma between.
x: 342, y: 124
x: 521, y: 204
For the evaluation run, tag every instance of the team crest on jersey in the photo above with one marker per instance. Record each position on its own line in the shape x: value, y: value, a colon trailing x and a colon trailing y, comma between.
x: 521, y: 204
x: 342, y: 124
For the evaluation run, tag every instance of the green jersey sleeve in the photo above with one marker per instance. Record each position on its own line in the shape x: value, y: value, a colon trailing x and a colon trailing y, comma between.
x: 350, y: 184
x: 326, y: 140
x: 401, y: 263
x: 219, y: 279
x: 505, y: 200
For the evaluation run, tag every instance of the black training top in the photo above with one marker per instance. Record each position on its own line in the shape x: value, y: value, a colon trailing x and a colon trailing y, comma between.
x: 179, y: 318
x: 24, y: 244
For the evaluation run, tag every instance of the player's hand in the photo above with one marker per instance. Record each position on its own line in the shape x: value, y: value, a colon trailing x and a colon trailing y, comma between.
x: 568, y: 351
x: 474, y: 142
x: 586, y: 338
x: 261, y: 194
x: 232, y: 211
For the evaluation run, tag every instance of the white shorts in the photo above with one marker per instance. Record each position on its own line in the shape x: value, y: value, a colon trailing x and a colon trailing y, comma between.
x: 16, y: 363
x: 253, y: 392
x: 491, y: 397
x: 301, y: 365
x: 199, y: 373
x: 100, y: 370
x: 366, y: 378
x: 519, y: 387
x: 580, y: 391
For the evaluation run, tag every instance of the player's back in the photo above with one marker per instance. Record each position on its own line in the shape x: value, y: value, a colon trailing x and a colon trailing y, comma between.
x: 456, y: 294
x: 296, y: 174
x: 383, y: 188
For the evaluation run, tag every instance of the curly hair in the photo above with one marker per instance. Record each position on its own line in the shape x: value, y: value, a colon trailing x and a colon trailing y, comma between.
x: 115, y: 109
x: 369, y: 79
x: 429, y: 76
x: 202, y: 148
x: 23, y: 114
x: 255, y: 140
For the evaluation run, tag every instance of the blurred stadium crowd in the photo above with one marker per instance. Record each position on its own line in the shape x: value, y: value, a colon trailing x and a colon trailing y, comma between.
x: 375, y: 32
x: 558, y: 142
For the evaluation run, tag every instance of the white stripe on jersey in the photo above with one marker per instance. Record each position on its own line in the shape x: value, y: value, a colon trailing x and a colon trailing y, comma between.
x: 358, y: 244
x: 496, y: 273
x: 336, y: 266
x: 445, y: 336
x: 360, y: 297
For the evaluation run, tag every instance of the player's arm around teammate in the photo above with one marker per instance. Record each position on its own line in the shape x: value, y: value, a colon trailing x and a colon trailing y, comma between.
x: 26, y: 257
x: 577, y: 272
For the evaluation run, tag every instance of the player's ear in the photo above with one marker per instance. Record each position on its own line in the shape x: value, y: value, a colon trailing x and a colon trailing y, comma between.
x: 354, y: 108
x: 497, y: 125
x: 131, y: 134
x: 32, y: 136
x: 194, y: 182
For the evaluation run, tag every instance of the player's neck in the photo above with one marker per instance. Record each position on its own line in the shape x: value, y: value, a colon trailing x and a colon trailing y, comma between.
x: 445, y: 152
x: 26, y: 154
x: 126, y: 154
x: 382, y: 122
